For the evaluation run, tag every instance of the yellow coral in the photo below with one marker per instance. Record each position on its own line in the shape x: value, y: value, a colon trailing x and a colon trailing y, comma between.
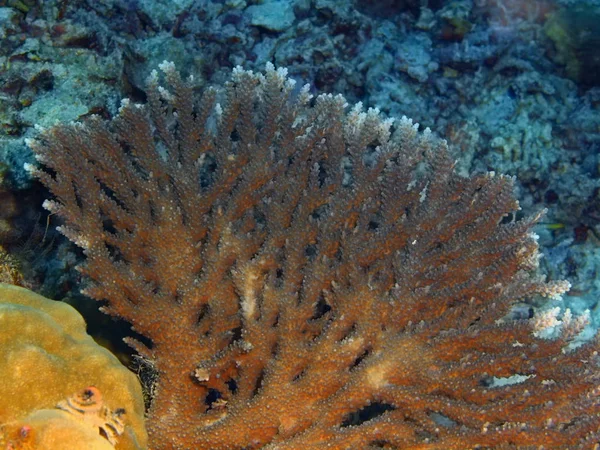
x: 47, y: 356
x: 51, y: 429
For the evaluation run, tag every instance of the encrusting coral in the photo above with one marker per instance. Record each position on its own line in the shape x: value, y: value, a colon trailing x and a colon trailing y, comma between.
x: 314, y: 278
x: 88, y: 407
x: 51, y: 429
x: 47, y: 356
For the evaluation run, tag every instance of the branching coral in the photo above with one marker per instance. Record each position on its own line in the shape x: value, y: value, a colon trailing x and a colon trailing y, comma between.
x: 311, y: 277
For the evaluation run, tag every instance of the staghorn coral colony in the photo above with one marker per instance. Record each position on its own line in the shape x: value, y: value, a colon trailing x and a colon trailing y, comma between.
x: 307, y: 275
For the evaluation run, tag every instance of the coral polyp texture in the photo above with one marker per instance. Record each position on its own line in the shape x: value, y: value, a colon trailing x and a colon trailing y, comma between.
x: 81, y: 421
x: 315, y: 276
x: 88, y: 407
x: 46, y: 356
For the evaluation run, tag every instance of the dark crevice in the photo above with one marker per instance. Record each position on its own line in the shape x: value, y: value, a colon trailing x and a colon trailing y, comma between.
x: 367, y: 413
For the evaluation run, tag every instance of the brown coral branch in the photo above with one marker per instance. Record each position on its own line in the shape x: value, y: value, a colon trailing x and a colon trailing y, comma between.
x: 310, y: 277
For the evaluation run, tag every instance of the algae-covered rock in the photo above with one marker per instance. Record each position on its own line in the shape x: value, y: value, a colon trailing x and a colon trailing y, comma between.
x: 46, y: 356
x: 575, y: 32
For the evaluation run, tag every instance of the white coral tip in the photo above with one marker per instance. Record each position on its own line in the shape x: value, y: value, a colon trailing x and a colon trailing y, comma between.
x: 167, y: 66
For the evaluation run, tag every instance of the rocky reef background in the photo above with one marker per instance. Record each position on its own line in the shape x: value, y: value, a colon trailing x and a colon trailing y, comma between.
x: 514, y: 86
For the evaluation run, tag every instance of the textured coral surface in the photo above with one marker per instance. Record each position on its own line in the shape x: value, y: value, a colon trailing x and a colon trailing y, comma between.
x: 51, y: 429
x: 46, y: 356
x: 312, y: 276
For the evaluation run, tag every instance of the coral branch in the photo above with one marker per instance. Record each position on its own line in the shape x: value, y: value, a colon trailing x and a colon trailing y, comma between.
x: 312, y: 277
